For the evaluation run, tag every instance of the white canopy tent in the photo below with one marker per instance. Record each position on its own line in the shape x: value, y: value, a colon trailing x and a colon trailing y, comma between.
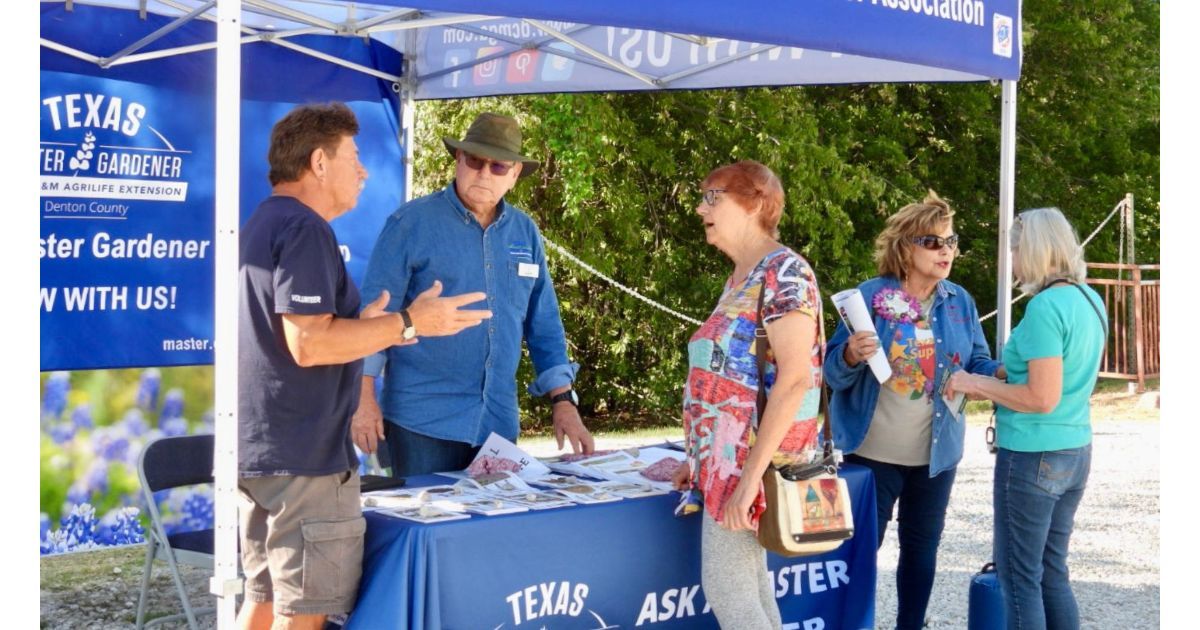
x: 616, y: 45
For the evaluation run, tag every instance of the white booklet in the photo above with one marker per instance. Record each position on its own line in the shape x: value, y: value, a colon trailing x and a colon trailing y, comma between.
x: 588, y: 492
x: 553, y: 481
x: 425, y: 513
x: 631, y: 490
x: 538, y: 500
x: 624, y: 465
x: 490, y: 506
x: 499, y: 455
x: 494, y: 483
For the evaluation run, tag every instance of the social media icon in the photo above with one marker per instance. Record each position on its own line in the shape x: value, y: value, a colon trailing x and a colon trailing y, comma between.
x: 557, y: 67
x: 453, y: 58
x: 522, y: 65
x: 488, y: 72
x: 1002, y: 35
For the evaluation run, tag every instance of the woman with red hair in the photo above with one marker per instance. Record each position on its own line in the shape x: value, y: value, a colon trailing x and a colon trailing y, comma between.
x: 728, y: 447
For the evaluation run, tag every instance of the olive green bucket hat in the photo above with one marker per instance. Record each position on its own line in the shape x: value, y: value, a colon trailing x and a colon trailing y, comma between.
x: 495, y: 137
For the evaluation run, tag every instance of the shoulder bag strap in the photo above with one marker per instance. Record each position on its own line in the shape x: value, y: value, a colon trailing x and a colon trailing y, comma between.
x: 762, y: 343
x: 1086, y: 298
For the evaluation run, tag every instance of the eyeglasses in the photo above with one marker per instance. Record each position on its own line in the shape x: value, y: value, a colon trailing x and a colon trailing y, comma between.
x: 710, y: 195
x: 935, y: 243
x: 476, y: 163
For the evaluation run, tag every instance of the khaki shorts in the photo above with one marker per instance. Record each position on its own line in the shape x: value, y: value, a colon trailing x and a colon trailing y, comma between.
x: 302, y: 541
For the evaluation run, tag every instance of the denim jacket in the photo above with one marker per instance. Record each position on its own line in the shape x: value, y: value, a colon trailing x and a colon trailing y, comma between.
x: 954, y: 321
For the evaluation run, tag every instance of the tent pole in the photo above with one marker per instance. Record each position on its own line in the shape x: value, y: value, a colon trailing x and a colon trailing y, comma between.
x: 225, y: 583
x: 408, y: 109
x: 71, y: 52
x: 1008, y: 169
x: 157, y: 35
x: 408, y: 121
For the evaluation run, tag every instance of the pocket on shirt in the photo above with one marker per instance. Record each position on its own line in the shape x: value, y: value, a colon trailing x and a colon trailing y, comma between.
x: 519, y: 286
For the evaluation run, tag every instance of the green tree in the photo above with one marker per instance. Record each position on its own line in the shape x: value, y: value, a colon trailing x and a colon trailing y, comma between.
x: 620, y: 177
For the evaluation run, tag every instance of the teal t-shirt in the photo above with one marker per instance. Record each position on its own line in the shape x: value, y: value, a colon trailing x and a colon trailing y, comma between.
x: 1058, y: 323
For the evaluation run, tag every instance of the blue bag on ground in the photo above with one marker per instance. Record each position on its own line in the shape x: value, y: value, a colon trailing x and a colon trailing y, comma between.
x: 985, y: 603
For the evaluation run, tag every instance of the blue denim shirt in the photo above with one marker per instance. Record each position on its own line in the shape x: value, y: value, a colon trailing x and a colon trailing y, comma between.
x: 463, y: 387
x: 954, y: 321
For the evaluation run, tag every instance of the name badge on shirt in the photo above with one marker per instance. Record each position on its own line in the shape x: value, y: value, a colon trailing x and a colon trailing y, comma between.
x: 527, y: 270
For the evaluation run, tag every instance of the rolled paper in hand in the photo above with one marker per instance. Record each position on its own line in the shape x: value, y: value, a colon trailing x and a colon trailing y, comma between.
x: 853, y: 309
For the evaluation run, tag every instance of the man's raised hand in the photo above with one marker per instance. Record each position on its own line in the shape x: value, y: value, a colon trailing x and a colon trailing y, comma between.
x: 436, y: 316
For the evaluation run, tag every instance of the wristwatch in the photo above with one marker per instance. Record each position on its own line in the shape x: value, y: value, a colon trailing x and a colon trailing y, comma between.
x: 410, y: 331
x: 569, y: 396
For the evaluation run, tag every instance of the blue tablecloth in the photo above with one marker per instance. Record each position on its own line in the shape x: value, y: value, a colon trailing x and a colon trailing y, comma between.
x: 615, y: 565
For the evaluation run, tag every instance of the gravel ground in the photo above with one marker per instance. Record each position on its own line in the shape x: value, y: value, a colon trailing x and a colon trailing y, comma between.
x: 1114, y: 557
x: 1114, y: 550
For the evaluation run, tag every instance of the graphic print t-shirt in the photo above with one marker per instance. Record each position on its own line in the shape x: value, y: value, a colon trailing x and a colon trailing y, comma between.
x: 720, y: 398
x: 902, y: 426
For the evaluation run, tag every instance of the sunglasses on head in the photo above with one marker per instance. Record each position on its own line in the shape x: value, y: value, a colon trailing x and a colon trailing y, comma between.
x: 935, y: 243
x: 476, y: 163
x: 710, y: 195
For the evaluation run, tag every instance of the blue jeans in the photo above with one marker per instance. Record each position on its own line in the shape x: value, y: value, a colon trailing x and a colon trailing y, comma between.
x: 416, y: 454
x: 1035, y: 496
x: 922, y: 516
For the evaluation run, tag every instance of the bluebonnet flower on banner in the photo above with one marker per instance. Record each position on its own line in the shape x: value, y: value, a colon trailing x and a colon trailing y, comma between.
x: 55, y: 542
x: 62, y: 432
x: 80, y: 528
x: 147, y: 393
x: 97, y: 477
x: 120, y: 527
x: 172, y: 405
x: 134, y: 422
x: 190, y: 510
x: 54, y: 399
x: 77, y: 494
x: 207, y: 423
x: 172, y: 427
x: 81, y: 416
x: 110, y: 443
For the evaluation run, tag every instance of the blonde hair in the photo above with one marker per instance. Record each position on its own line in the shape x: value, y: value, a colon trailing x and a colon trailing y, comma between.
x: 1046, y: 248
x: 893, y: 246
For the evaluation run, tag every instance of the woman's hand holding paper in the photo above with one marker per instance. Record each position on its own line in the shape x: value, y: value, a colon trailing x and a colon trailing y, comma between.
x: 860, y: 346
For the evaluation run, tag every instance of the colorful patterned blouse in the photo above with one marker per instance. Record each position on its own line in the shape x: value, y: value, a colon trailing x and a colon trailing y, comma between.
x: 720, y: 398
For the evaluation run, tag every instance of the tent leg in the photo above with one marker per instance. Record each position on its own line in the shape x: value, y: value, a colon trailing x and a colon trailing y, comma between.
x: 408, y: 110
x: 225, y: 583
x: 1008, y: 169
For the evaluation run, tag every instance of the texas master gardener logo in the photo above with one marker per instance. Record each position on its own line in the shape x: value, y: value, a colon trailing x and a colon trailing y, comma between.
x: 536, y: 604
x: 1002, y: 35
x: 100, y: 146
x: 83, y: 157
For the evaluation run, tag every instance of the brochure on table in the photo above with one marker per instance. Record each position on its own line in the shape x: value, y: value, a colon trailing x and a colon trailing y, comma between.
x: 503, y: 479
x: 624, y: 465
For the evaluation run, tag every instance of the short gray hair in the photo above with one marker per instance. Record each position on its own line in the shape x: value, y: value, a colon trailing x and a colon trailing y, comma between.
x: 1047, y: 248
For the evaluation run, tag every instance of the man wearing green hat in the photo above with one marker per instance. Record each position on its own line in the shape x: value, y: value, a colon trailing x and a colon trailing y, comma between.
x: 443, y: 397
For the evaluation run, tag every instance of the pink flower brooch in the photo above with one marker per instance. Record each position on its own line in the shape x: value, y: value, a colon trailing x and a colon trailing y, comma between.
x: 895, y: 305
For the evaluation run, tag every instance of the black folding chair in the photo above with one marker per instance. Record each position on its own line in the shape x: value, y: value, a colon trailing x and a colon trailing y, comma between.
x: 165, y: 463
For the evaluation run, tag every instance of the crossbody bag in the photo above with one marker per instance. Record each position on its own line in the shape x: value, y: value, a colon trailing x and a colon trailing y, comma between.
x: 808, y: 505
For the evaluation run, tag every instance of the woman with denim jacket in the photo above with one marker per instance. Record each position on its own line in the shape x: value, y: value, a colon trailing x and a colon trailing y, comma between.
x: 903, y: 430
x: 1043, y: 421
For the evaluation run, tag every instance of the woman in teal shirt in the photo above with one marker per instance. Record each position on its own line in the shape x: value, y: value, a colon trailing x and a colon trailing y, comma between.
x: 1043, y: 421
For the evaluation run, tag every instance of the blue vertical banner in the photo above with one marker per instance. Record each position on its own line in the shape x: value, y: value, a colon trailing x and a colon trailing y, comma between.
x: 126, y: 244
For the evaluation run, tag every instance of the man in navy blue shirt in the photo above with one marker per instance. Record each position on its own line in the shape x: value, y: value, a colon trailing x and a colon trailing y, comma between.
x: 443, y: 397
x: 301, y: 340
